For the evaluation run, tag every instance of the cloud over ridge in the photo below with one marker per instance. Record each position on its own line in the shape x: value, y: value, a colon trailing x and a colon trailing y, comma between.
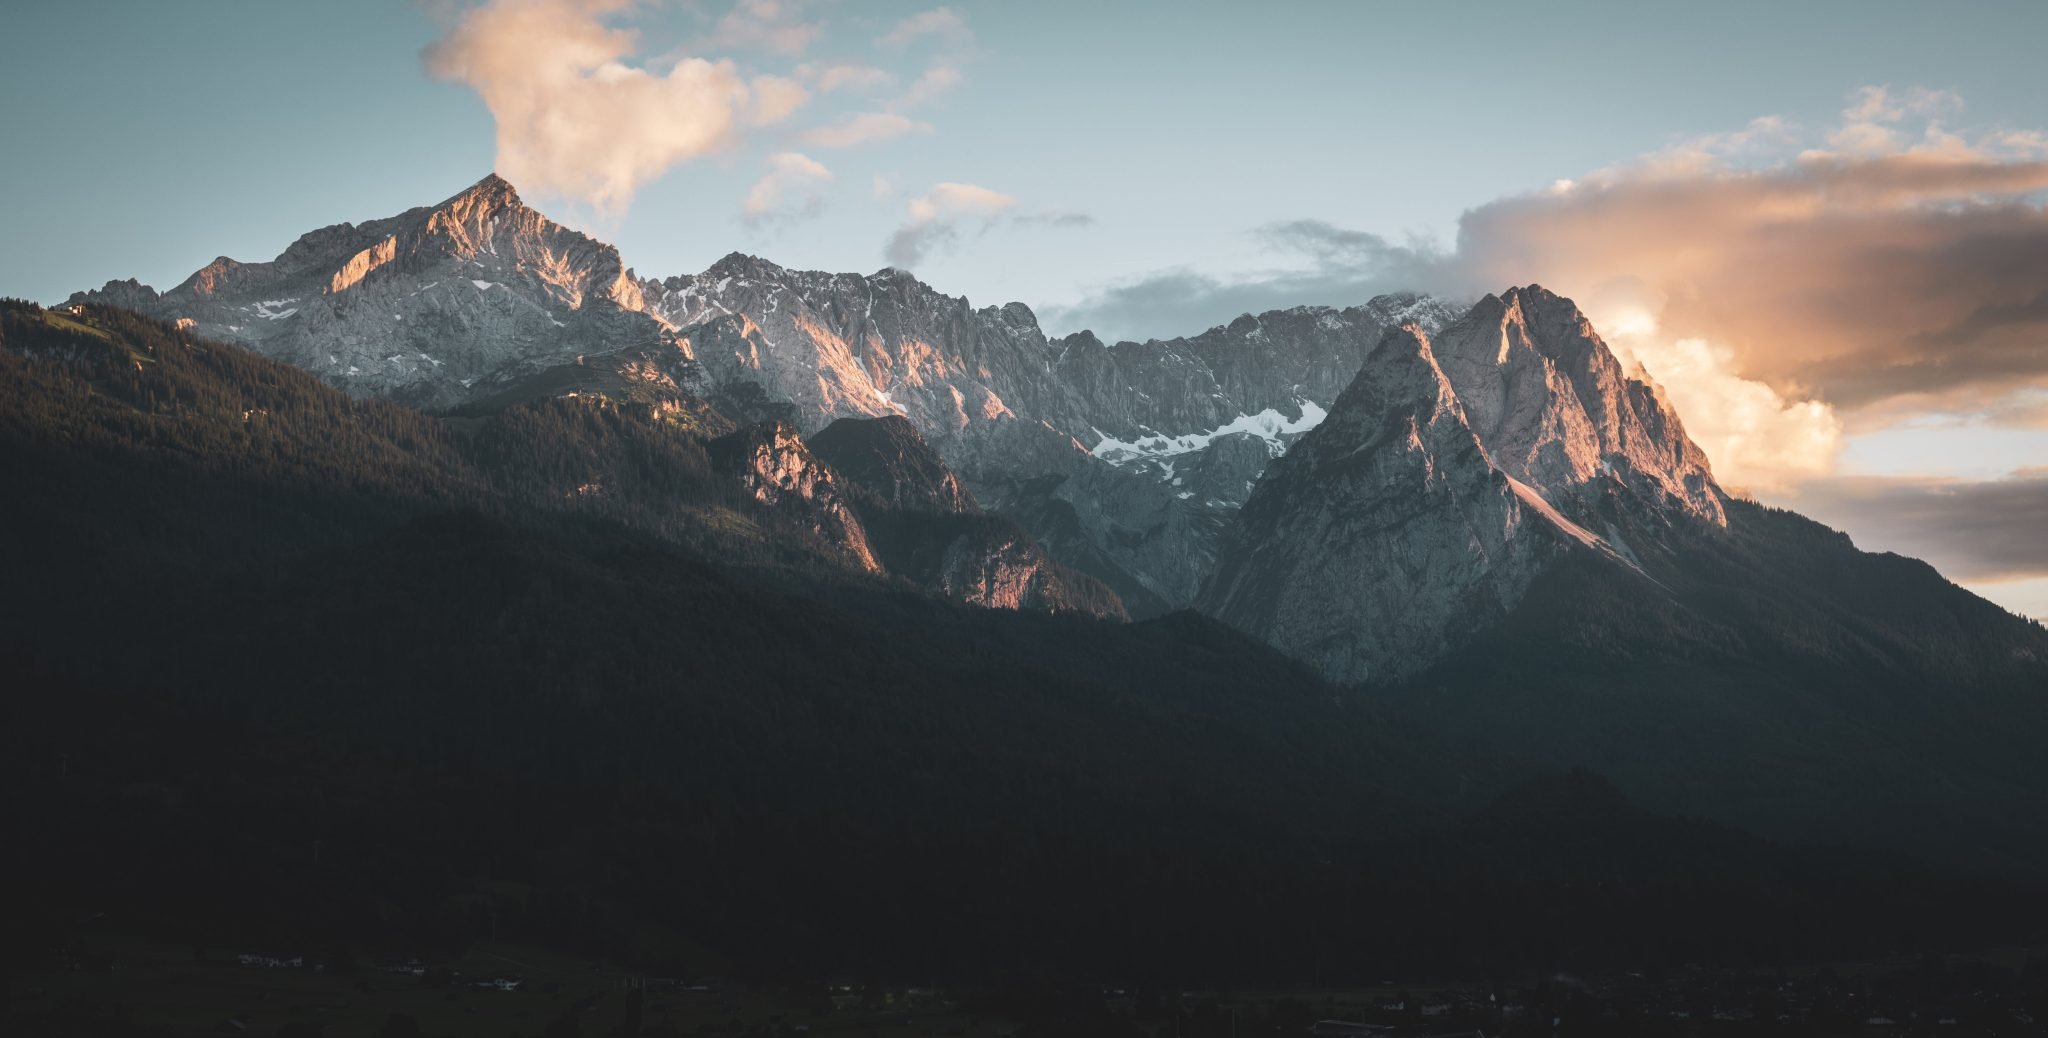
x: 1893, y: 266
x: 575, y: 117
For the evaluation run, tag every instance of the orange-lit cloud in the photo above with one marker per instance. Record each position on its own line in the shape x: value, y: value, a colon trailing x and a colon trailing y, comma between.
x: 575, y: 117
x: 1787, y: 286
x: 1903, y: 266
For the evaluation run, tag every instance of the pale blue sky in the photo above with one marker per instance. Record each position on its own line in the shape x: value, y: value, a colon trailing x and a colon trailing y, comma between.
x: 170, y: 133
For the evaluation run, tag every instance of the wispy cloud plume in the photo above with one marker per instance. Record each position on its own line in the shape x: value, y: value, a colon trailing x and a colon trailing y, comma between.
x: 771, y: 25
x: 834, y: 78
x: 935, y: 218
x: 1056, y: 218
x: 940, y: 23
x: 791, y: 189
x: 863, y: 128
x: 936, y: 81
x: 951, y: 44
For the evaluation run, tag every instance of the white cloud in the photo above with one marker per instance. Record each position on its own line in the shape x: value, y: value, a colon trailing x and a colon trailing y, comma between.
x: 771, y: 25
x: 1793, y: 297
x: 776, y: 98
x: 935, y: 81
x: 834, y: 78
x: 1758, y: 440
x: 575, y: 117
x: 941, y: 23
x: 863, y: 128
x: 934, y: 220
x: 792, y: 187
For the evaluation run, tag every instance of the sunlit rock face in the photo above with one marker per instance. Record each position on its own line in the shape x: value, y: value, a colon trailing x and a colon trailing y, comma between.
x: 435, y: 306
x: 1556, y: 410
x: 989, y: 561
x: 1128, y: 458
x: 848, y: 345
x: 774, y: 466
x: 1446, y: 479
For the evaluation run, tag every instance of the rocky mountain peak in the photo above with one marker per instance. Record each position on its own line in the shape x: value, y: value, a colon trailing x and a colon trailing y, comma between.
x: 1557, y: 410
x: 493, y: 192
x: 1386, y: 536
x: 128, y: 293
x: 1019, y: 315
x: 482, y: 298
x: 744, y: 265
x: 211, y: 278
x: 1083, y: 339
x: 1447, y: 477
x: 1402, y: 374
x: 433, y: 306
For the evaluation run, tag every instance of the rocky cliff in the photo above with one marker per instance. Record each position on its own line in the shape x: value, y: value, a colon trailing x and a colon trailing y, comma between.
x: 1447, y: 479
x: 928, y: 529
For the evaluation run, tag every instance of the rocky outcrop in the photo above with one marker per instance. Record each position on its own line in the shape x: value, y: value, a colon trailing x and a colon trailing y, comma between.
x: 774, y: 467
x: 888, y: 458
x: 927, y: 528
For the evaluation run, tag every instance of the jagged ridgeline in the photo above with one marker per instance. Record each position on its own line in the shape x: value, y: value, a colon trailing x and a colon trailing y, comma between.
x: 1124, y: 460
x: 1454, y: 546
x: 292, y: 668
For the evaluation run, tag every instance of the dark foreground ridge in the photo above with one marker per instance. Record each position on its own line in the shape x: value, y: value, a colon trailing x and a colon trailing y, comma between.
x: 289, y: 668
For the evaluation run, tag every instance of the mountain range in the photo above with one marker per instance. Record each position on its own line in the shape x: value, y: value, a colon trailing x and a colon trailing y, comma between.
x: 906, y: 568
x: 1126, y: 460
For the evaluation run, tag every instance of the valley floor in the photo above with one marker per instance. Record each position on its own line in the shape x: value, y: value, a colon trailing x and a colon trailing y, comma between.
x: 102, y: 984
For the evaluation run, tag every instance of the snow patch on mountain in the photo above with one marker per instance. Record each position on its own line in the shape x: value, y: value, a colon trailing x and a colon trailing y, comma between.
x: 1269, y: 425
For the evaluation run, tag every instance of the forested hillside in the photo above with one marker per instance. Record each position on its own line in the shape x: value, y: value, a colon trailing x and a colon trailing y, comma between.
x: 287, y: 668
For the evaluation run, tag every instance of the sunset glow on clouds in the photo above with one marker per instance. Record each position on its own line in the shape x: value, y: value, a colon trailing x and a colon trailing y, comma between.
x: 574, y: 117
x: 1791, y: 288
x: 583, y: 115
x: 1786, y: 285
